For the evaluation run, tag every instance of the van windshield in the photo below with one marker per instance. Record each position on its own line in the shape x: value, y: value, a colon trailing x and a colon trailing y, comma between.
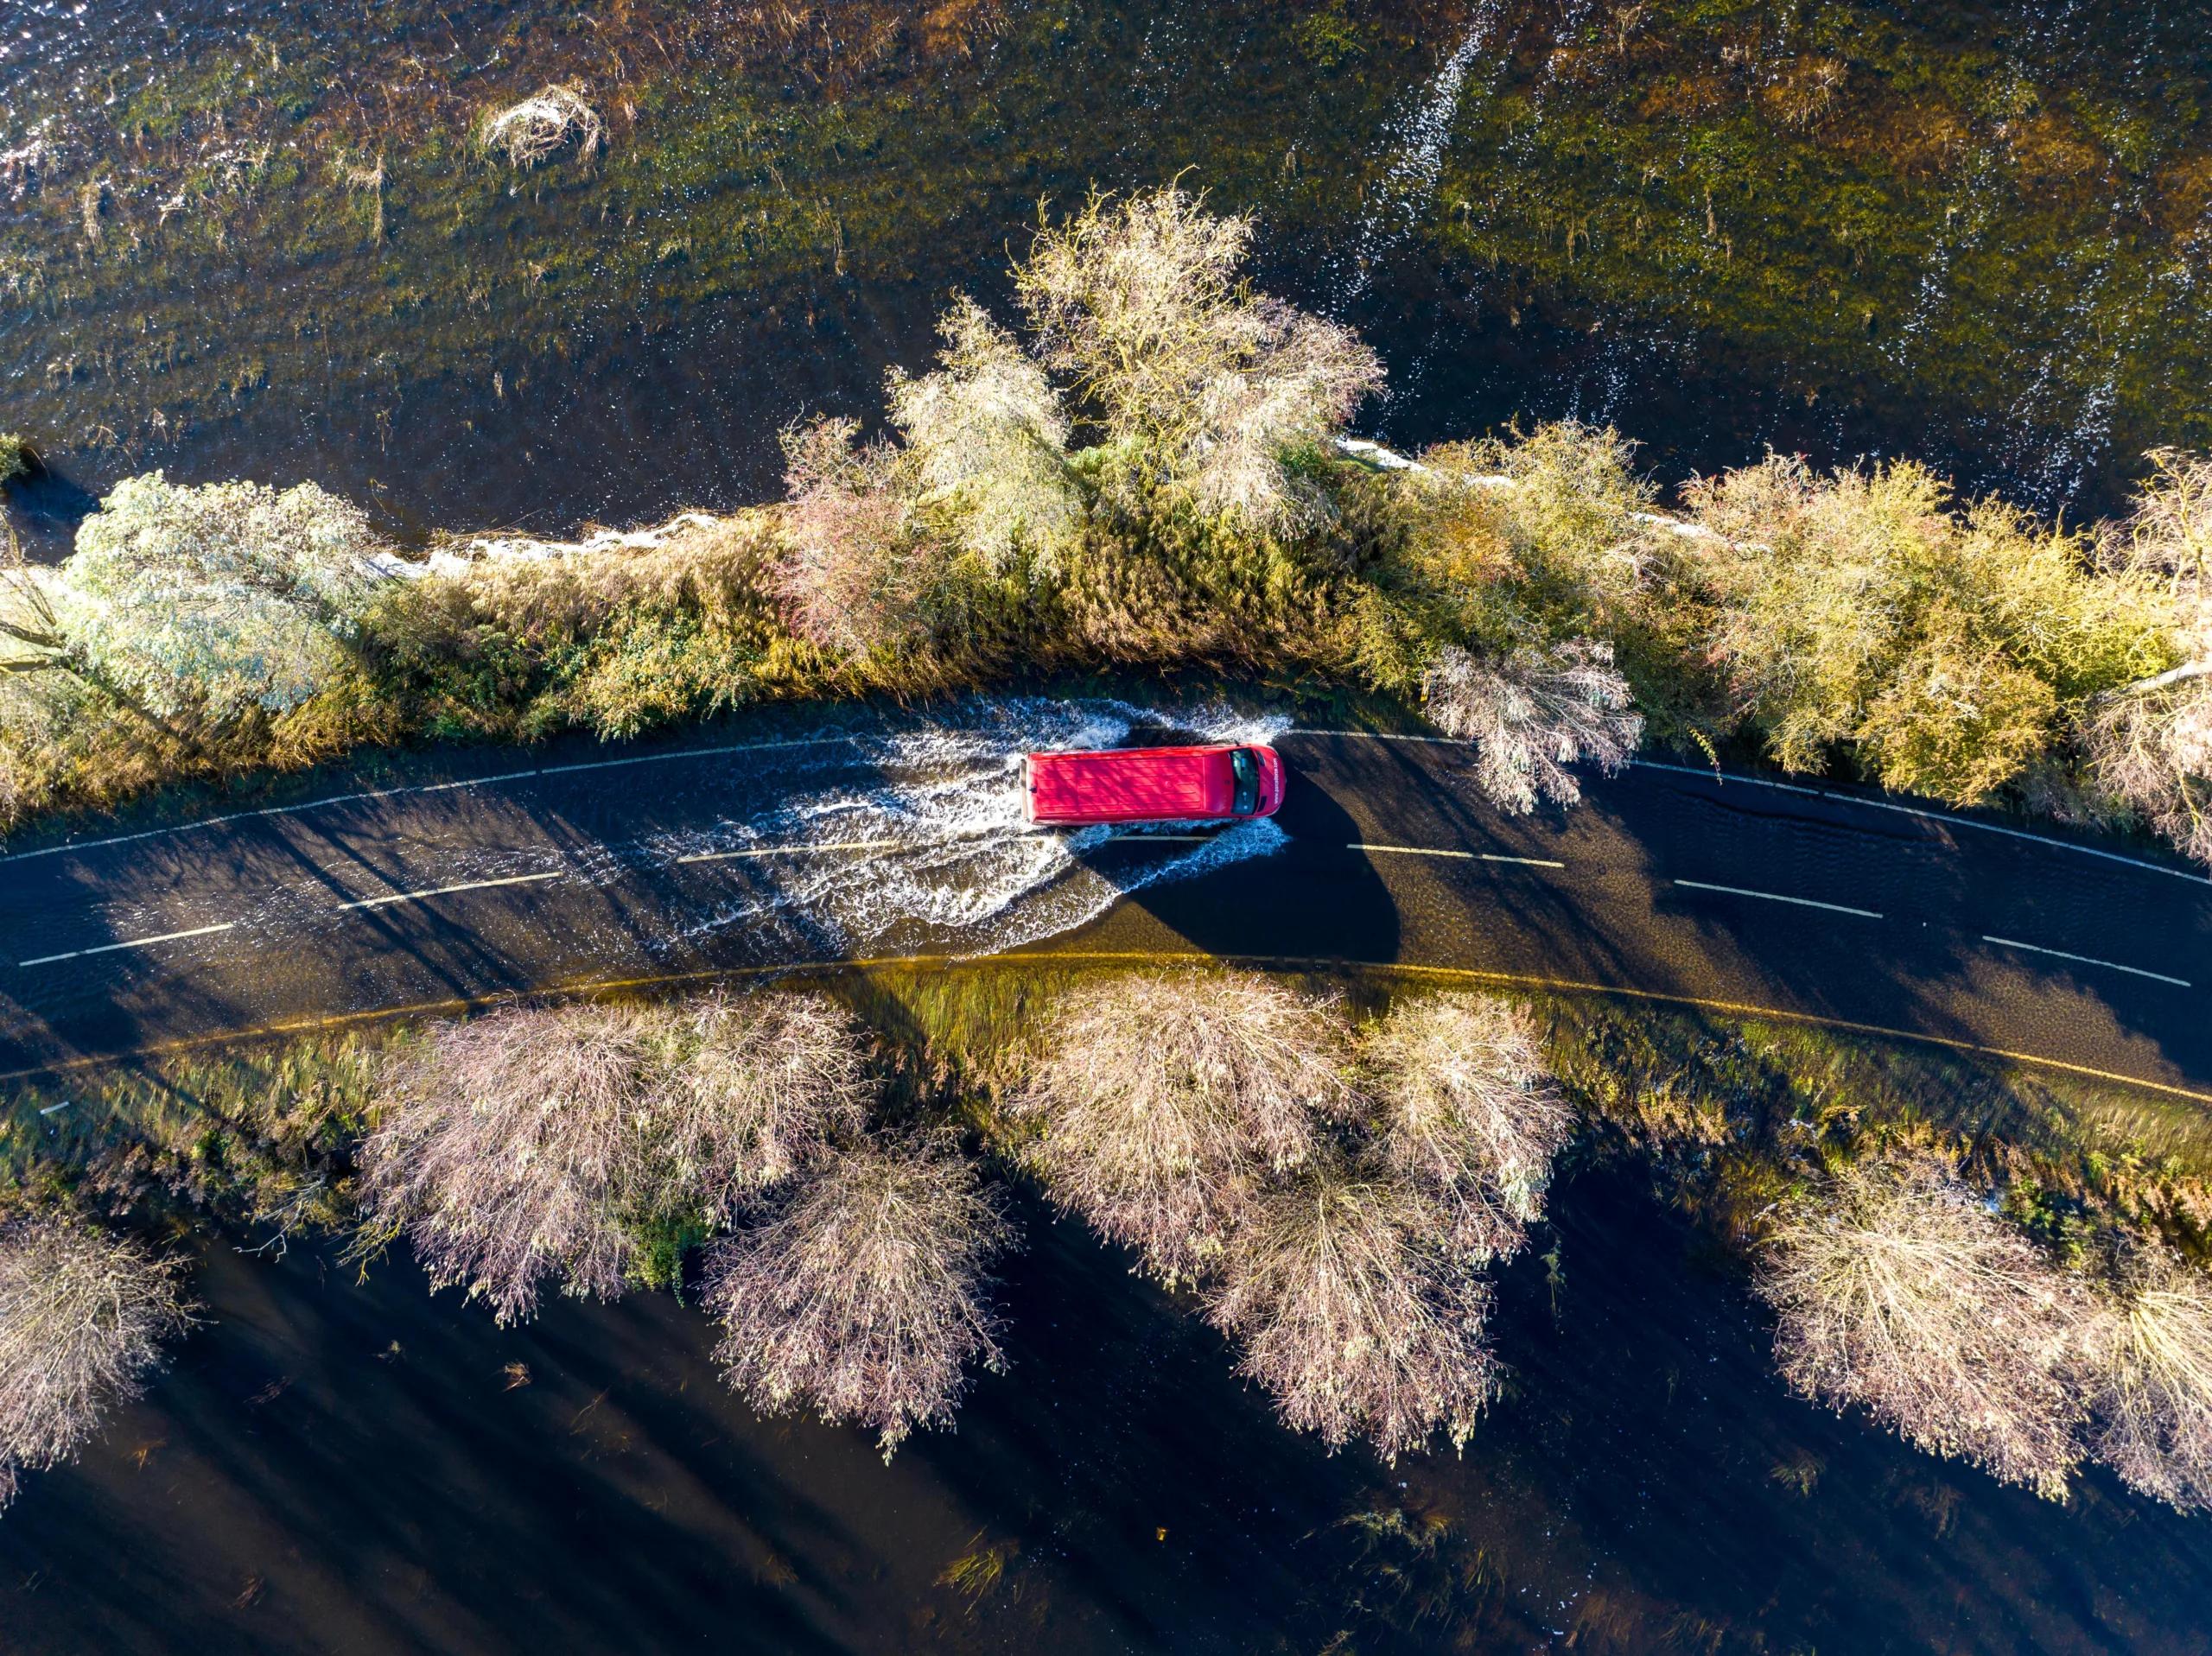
x: 1245, y: 763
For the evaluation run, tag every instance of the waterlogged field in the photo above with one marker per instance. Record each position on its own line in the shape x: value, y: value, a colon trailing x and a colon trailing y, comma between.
x: 265, y: 240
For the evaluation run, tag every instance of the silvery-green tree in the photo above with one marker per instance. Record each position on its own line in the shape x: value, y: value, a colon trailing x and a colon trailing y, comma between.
x: 222, y: 596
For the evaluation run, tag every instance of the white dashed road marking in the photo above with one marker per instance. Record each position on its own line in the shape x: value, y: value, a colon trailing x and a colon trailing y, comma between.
x: 473, y: 886
x: 135, y: 943
x: 1777, y: 896
x: 1465, y: 856
x: 2086, y: 959
x: 793, y: 850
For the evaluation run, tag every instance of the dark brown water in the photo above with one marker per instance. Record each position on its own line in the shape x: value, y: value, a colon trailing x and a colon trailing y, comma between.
x: 1975, y: 236
x: 256, y: 239
x: 344, y: 1465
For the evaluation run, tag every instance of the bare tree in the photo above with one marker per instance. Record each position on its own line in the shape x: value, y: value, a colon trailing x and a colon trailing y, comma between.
x: 988, y: 442
x: 759, y: 1087
x: 1534, y: 712
x: 82, y: 1313
x: 860, y: 1291
x: 500, y: 1152
x: 1353, y: 1316
x: 1897, y: 1291
x: 1467, y: 1106
x: 2147, y: 1369
x: 1141, y: 302
x: 2149, y: 744
x: 1163, y: 1097
x: 531, y: 1143
x: 857, y: 569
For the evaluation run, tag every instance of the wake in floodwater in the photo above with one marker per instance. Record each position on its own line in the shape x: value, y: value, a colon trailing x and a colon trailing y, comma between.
x: 903, y: 835
x: 913, y: 838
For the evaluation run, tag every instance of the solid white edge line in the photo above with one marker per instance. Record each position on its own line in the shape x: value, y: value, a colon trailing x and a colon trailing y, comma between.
x: 1750, y: 781
x: 1471, y: 856
x: 472, y: 885
x: 135, y: 943
x: 1777, y: 896
x: 2089, y: 959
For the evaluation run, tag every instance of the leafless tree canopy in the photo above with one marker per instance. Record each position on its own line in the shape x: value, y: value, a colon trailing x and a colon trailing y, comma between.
x: 860, y: 1292
x: 2147, y: 1367
x: 857, y: 568
x: 1898, y: 1292
x: 1533, y: 713
x: 1353, y: 1316
x: 1466, y: 1107
x: 2149, y: 746
x: 1165, y: 1096
x: 523, y: 1145
x: 1141, y: 302
x: 748, y: 1088
x: 82, y: 1313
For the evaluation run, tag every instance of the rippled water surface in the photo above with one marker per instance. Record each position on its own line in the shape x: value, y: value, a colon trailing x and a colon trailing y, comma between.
x: 259, y: 239
x: 254, y: 239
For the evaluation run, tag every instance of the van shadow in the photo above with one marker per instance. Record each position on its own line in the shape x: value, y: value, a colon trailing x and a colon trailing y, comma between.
x: 1311, y: 900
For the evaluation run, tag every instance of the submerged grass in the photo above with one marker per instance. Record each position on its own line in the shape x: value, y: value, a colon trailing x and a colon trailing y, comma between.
x: 1728, y: 1111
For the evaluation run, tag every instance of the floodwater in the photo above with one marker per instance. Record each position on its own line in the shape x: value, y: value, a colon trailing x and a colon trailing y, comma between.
x: 354, y: 1465
x: 247, y: 239
x: 244, y: 239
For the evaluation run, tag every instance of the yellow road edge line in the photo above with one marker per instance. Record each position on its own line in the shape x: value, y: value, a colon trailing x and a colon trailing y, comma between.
x: 1279, y: 962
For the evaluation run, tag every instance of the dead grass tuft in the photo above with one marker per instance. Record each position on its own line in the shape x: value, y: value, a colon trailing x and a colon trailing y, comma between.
x: 539, y: 128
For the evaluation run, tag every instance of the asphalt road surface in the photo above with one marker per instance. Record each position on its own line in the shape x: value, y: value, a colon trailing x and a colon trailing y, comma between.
x: 1667, y: 882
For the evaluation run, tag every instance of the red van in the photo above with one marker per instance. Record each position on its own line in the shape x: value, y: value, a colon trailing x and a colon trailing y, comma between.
x: 1151, y: 784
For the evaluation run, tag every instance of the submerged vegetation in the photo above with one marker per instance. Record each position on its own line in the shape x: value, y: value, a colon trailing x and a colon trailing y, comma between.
x: 2003, y: 1267
x: 1937, y: 215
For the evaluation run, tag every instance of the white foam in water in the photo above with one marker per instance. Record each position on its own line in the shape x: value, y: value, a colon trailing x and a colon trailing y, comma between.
x: 908, y: 836
x: 935, y: 853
